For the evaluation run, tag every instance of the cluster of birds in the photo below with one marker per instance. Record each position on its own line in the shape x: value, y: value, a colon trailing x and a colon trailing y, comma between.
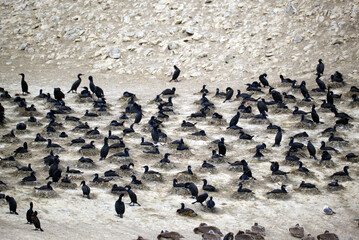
x: 155, y: 127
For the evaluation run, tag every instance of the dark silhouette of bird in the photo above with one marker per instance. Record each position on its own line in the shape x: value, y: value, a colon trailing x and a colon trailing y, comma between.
x: 58, y: 94
x: 85, y: 189
x: 29, y: 213
x: 201, y: 198
x: 210, y: 203
x: 120, y: 206
x: 262, y: 107
x: 311, y: 149
x: 76, y: 84
x: 278, y: 137
x: 222, y: 147
x: 12, y: 204
x: 104, y: 149
x: 132, y: 195
x: 24, y: 86
x: 36, y: 221
x: 320, y: 67
x: 314, y: 114
x: 176, y: 73
x: 263, y: 80
x: 229, y: 94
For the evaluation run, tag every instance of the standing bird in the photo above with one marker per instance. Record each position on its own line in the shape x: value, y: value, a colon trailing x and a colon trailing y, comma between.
x: 262, y: 107
x: 210, y: 203
x: 12, y: 204
x: 304, y: 91
x: 222, y: 148
x: 24, y: 86
x: 120, y: 206
x: 29, y: 214
x: 92, y: 85
x: 175, y: 74
x: 104, y: 149
x: 263, y: 80
x: 132, y: 196
x: 314, y: 114
x: 36, y: 221
x: 234, y: 120
x: 311, y: 149
x: 85, y: 189
x: 320, y: 67
x: 278, y: 137
x: 76, y: 84
x: 58, y: 94
x: 229, y: 94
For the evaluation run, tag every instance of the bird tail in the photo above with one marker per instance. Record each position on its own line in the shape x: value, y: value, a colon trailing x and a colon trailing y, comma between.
x: 69, y: 91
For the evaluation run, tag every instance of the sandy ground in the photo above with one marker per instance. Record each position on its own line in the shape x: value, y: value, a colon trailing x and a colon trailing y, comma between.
x: 69, y: 215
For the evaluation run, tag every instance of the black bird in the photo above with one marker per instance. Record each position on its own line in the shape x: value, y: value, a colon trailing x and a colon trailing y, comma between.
x: 169, y: 91
x: 12, y: 204
x: 92, y: 85
x: 192, y: 188
x: 201, y: 198
x: 222, y: 147
x: 28, y: 168
x: 278, y: 137
x: 314, y: 114
x: 138, y: 117
x: 24, y: 86
x: 97, y: 179
x: 210, y: 203
x: 325, y: 156
x: 277, y: 191
x: 76, y: 84
x: 36, y: 221
x: 285, y: 80
x: 234, y: 120
x: 58, y: 94
x: 188, y: 171
x: 104, y: 149
x: 135, y: 180
x: 341, y: 173
x: 127, y: 167
x: 243, y: 190
x: 74, y: 171
x: 311, y: 149
x: 304, y: 91
x: 306, y: 185
x: 175, y: 184
x: 22, y: 149
x: 262, y: 107
x: 31, y: 178
x: 277, y: 97
x: 77, y: 140
x: 128, y: 130
x: 45, y: 187
x: 263, y: 80
x: 110, y: 173
x: 165, y: 159
x: 275, y: 169
x: 29, y: 214
x: 229, y: 94
x: 299, y: 112
x: 120, y: 206
x: 302, y: 169
x: 85, y: 190
x: 147, y: 171
x: 326, y: 148
x: 258, y: 153
x: 295, y: 145
x: 320, y: 68
x: 176, y: 73
x: 332, y: 138
x: 320, y: 83
x: 208, y: 187
x: 132, y: 196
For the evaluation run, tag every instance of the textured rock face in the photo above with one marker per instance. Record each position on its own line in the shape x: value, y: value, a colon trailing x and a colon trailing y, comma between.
x: 112, y: 35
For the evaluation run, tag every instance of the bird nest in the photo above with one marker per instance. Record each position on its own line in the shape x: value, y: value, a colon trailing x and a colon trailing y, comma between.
x: 45, y: 193
x: 89, y: 152
x: 185, y: 177
x: 243, y: 195
x: 152, y: 177
x: 180, y: 191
